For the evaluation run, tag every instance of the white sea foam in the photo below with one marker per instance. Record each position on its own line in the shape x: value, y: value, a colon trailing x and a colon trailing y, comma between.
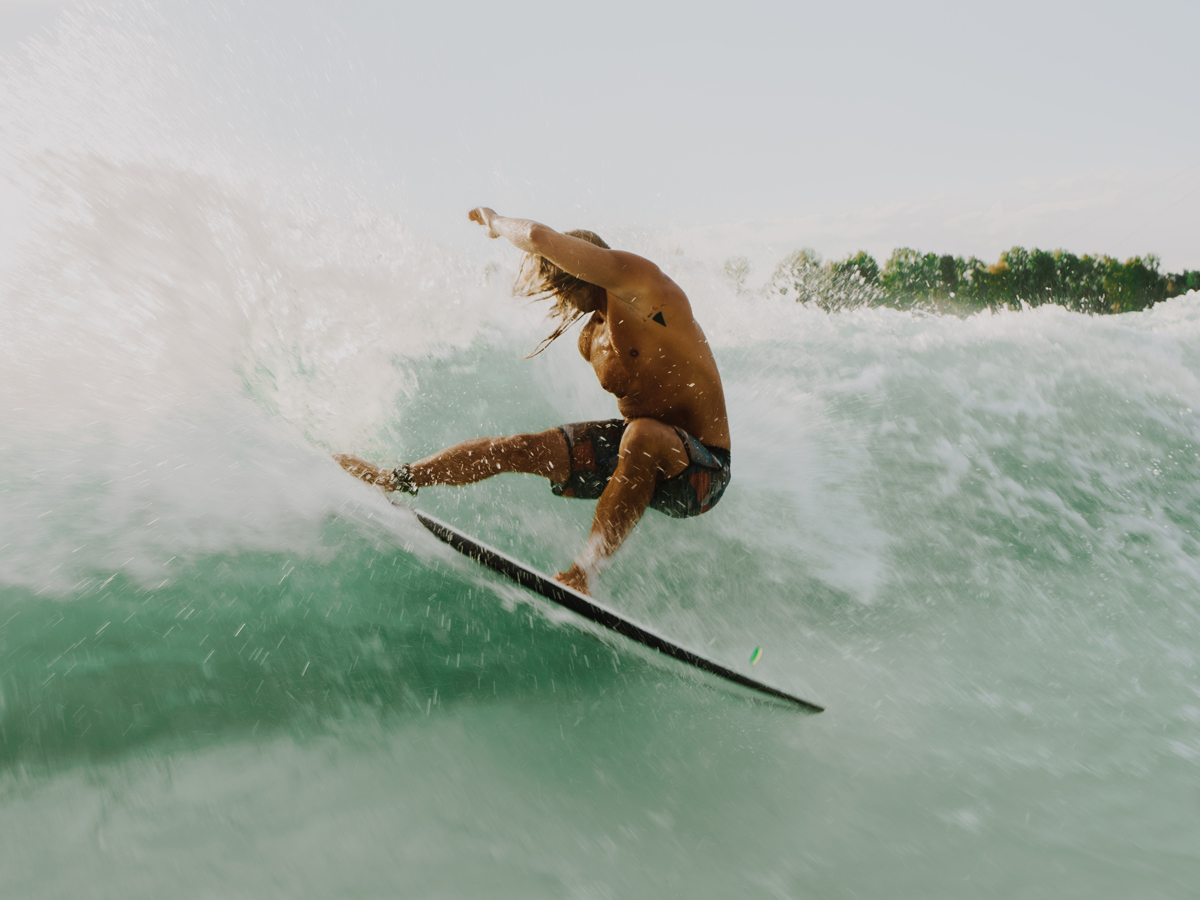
x: 975, y: 539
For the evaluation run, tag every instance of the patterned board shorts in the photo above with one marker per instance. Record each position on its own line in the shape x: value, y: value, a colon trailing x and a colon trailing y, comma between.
x: 595, y: 451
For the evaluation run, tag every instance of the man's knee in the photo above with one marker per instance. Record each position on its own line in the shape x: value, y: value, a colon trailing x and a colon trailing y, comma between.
x: 649, y: 444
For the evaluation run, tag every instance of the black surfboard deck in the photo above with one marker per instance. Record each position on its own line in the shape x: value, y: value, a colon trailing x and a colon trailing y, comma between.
x: 596, y: 612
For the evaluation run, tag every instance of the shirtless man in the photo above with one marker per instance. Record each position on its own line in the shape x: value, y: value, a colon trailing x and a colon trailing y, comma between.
x: 670, y: 450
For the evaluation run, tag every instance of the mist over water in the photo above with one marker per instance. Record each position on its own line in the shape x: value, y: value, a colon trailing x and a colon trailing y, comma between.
x: 226, y: 669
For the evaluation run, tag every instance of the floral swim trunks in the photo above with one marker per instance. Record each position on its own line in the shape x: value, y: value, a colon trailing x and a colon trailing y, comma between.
x: 595, y: 452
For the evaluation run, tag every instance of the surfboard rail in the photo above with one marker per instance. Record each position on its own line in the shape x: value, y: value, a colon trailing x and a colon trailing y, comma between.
x: 587, y: 607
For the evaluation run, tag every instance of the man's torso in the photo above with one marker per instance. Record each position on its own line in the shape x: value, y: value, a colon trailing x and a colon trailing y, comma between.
x: 658, y: 365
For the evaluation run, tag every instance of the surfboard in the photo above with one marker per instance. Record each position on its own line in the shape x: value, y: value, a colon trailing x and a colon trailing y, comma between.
x: 585, y: 606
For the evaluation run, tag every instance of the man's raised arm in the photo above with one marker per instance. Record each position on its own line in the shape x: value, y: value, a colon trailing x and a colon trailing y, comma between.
x: 626, y: 275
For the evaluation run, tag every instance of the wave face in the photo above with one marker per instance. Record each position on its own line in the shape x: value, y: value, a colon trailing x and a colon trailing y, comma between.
x: 226, y: 669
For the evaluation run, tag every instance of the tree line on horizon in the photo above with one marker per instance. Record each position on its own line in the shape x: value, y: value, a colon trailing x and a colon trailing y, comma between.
x: 911, y: 279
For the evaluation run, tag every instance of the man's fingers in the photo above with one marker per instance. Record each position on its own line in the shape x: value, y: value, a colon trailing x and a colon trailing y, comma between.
x: 482, y: 215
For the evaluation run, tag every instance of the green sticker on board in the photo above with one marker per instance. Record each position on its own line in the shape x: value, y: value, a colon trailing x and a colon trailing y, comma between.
x: 756, y: 655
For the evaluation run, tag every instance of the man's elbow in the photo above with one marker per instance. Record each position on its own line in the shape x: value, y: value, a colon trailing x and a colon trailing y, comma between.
x: 537, y: 236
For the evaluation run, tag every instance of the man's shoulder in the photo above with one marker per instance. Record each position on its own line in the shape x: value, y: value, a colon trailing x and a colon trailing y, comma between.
x: 660, y: 296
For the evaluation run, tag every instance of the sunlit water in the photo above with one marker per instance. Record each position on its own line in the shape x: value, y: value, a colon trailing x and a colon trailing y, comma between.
x: 228, y: 670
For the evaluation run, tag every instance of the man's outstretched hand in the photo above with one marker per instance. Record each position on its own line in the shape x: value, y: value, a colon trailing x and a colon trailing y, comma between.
x: 484, y: 217
x: 368, y: 472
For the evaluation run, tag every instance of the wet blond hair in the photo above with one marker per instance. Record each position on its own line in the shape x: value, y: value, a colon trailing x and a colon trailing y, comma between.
x: 541, y: 279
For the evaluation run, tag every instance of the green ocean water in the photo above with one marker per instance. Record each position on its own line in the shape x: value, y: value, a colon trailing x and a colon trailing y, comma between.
x: 989, y: 582
x: 228, y: 670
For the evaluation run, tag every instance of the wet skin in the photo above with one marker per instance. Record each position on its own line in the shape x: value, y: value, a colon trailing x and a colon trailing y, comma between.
x: 646, y: 349
x: 661, y: 372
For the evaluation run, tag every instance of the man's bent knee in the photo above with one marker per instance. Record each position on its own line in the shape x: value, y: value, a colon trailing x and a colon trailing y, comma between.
x: 648, y: 443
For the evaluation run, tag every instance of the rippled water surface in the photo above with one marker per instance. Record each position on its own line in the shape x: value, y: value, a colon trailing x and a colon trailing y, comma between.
x: 228, y: 670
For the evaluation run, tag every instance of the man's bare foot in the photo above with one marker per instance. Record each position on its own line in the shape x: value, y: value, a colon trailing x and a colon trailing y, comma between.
x: 575, y: 578
x: 368, y: 472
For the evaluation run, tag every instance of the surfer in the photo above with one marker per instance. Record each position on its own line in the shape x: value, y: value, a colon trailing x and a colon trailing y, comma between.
x: 669, y: 451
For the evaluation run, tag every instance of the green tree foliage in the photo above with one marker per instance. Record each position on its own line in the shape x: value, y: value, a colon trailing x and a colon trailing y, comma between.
x: 1182, y: 283
x: 853, y: 281
x: 799, y: 276
x: 861, y: 267
x: 1020, y: 277
x: 911, y: 277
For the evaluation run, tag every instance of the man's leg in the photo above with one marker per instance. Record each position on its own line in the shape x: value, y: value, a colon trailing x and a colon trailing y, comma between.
x: 544, y: 454
x: 651, y: 452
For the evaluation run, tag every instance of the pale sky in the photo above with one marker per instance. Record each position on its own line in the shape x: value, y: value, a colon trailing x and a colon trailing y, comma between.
x: 954, y: 127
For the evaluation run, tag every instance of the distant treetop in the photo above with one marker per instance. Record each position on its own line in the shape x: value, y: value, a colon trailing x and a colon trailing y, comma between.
x: 1093, y: 284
